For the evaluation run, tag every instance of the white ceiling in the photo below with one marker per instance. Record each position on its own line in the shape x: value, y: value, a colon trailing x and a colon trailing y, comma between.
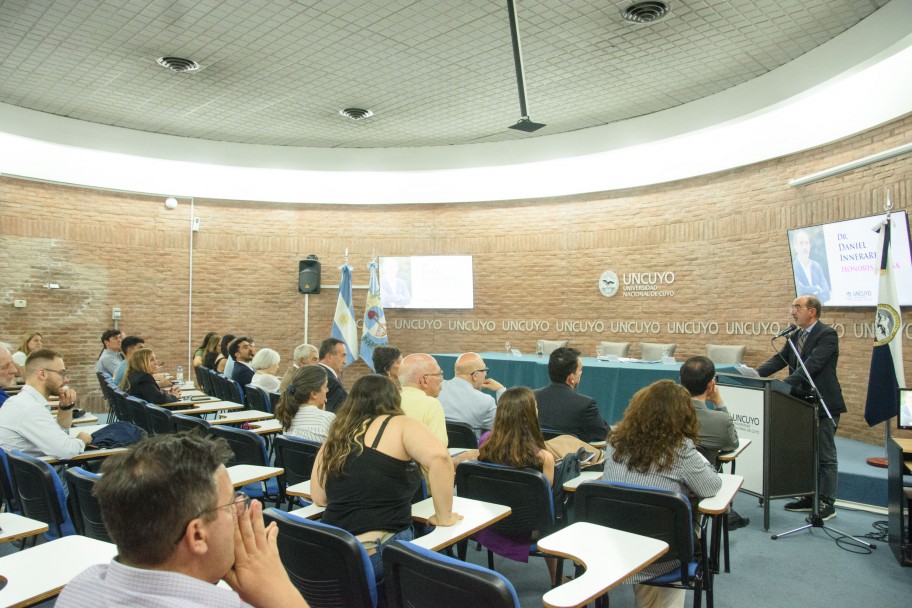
x: 435, y: 73
x: 717, y: 84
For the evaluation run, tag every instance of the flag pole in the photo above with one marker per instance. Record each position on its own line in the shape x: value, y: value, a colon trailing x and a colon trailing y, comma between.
x: 882, y: 462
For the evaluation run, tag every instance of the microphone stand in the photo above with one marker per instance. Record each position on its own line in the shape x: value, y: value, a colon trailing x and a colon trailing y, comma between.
x: 814, y: 520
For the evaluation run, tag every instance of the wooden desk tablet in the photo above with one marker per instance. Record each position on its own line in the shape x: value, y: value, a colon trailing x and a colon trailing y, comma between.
x: 242, y: 474
x: 88, y: 454
x: 266, y: 427
x: 309, y: 512
x: 87, y: 419
x: 210, y: 407
x: 241, y: 416
x: 716, y: 507
x: 609, y: 556
x: 41, y: 572
x: 583, y: 477
x: 14, y: 527
x: 476, y: 515
x: 299, y: 489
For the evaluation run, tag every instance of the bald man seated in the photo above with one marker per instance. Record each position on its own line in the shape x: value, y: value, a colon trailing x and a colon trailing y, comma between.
x: 421, y: 378
x: 462, y: 397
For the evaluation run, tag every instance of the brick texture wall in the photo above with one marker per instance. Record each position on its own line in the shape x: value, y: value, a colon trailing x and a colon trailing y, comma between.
x: 722, y: 235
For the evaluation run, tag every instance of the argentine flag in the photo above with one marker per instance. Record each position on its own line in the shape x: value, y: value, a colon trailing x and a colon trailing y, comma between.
x: 344, y: 327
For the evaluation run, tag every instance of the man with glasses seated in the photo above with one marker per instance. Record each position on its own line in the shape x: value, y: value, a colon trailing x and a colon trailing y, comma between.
x: 26, y: 422
x: 421, y: 378
x: 462, y: 398
x: 180, y: 527
x: 7, y: 371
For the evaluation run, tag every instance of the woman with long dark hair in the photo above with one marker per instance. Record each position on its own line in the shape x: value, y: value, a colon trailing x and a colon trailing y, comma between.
x: 222, y: 358
x: 201, y: 351
x: 516, y: 441
x: 302, y: 407
x: 370, y: 467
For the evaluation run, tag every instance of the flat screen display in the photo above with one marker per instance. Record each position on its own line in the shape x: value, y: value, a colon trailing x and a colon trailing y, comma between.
x: 840, y: 262
x: 427, y: 281
x: 905, y: 408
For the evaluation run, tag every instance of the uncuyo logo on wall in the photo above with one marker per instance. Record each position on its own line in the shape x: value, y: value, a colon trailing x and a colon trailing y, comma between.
x: 609, y: 283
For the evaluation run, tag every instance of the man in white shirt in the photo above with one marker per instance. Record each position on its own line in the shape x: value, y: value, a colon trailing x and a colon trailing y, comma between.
x: 462, y: 398
x: 26, y: 422
x: 180, y: 527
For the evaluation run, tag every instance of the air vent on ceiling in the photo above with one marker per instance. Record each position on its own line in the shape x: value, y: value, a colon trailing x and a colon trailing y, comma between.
x: 648, y: 11
x: 356, y: 113
x: 178, y: 64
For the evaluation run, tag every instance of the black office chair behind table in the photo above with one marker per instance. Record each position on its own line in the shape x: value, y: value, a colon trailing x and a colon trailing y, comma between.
x: 527, y: 493
x: 296, y: 456
x: 258, y: 399
x: 160, y: 422
x: 183, y: 422
x: 85, y: 509
x: 656, y: 513
x: 249, y: 448
x: 138, y: 413
x: 41, y: 494
x: 417, y: 577
x: 460, y: 435
x: 327, y: 564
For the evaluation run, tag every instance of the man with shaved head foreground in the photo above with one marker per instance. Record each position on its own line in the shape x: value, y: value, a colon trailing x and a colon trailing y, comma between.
x: 462, y: 398
x: 180, y: 527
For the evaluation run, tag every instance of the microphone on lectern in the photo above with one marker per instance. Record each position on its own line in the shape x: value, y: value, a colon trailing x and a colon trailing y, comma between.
x: 787, y: 331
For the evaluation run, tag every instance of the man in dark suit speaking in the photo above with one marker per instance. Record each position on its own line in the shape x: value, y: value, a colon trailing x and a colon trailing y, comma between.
x: 819, y: 347
x: 560, y: 407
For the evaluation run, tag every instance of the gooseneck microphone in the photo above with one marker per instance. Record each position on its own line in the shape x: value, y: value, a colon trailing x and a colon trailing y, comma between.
x: 787, y: 331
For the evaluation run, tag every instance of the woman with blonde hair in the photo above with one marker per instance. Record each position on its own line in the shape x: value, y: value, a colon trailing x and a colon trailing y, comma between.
x: 370, y: 467
x: 211, y: 351
x: 654, y: 445
x: 200, y: 352
x: 138, y: 380
x: 31, y: 341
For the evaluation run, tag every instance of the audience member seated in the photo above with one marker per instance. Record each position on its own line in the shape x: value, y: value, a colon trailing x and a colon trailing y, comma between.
x: 386, y: 360
x: 31, y: 341
x: 7, y: 371
x: 241, y: 352
x: 560, y: 407
x: 26, y: 422
x: 110, y: 355
x: 222, y: 360
x: 717, y: 431
x: 127, y: 346
x: 265, y: 365
x: 421, y: 377
x: 368, y: 470
x: 179, y: 528
x: 332, y: 357
x: 200, y: 352
x: 304, y: 354
x: 653, y: 445
x: 302, y: 407
x: 211, y: 351
x: 516, y: 441
x: 462, y: 398
x: 138, y: 380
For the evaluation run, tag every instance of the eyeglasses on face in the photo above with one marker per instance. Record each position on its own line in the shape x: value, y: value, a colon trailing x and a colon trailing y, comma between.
x: 61, y: 372
x: 483, y: 370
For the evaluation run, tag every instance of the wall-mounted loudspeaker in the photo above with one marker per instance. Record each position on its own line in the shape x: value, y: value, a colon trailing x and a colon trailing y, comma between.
x: 309, y: 275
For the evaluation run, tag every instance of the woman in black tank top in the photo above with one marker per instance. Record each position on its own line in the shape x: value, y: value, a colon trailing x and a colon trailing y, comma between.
x: 367, y: 485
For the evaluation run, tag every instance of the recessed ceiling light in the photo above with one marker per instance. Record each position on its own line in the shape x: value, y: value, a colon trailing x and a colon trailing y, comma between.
x: 648, y: 11
x: 178, y: 64
x: 356, y: 113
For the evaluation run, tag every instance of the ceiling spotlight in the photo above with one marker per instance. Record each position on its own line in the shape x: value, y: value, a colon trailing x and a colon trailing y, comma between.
x: 356, y: 113
x: 648, y: 11
x: 177, y: 64
x: 171, y: 202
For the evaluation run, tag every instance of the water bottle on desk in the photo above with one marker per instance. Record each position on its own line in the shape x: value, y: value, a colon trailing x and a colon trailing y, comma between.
x: 179, y: 380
